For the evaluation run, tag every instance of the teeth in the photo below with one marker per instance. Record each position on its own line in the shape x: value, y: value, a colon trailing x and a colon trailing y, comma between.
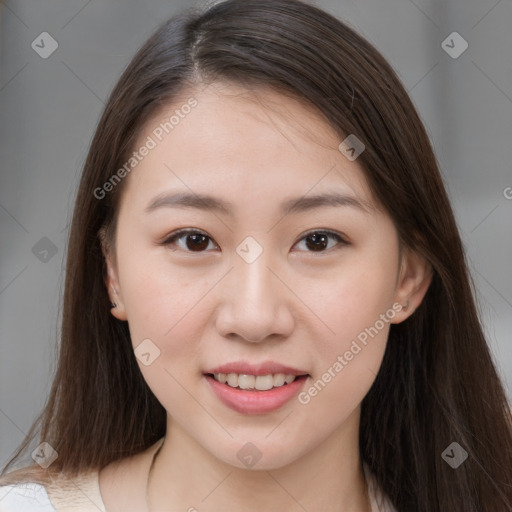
x: 260, y: 382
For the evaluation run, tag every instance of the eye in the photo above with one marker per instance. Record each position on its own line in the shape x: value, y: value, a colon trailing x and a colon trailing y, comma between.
x: 318, y: 241
x: 193, y: 240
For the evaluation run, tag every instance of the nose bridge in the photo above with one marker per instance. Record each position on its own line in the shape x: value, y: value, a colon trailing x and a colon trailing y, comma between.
x: 255, y: 303
x: 254, y: 280
x: 254, y: 284
x: 251, y: 272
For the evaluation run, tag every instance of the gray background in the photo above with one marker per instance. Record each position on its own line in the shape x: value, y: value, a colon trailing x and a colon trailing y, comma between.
x: 49, y: 109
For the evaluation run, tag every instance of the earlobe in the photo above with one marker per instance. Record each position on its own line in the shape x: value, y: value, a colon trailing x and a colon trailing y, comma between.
x: 111, y: 281
x: 112, y: 303
x: 413, y: 282
x: 116, y: 301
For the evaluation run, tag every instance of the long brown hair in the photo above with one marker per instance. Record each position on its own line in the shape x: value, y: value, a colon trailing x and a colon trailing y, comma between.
x: 437, y: 383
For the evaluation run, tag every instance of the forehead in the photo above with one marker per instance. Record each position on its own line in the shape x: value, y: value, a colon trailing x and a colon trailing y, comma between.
x: 242, y: 144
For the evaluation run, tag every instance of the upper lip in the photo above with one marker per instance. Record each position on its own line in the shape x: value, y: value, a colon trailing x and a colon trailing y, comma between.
x: 264, y: 368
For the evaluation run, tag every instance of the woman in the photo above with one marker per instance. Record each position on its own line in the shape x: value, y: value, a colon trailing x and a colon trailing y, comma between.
x: 266, y: 302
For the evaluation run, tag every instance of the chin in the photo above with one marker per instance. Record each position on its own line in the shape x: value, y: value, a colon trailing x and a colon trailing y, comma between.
x: 259, y: 455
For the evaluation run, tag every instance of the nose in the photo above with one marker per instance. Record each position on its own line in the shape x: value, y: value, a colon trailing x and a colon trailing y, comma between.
x: 255, y: 303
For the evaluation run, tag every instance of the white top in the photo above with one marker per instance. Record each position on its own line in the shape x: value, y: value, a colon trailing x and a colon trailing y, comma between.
x: 83, y: 495
x: 80, y: 494
x: 28, y: 497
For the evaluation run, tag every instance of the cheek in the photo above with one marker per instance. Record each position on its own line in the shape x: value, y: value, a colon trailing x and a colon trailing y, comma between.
x: 356, y: 306
x: 170, y: 307
x: 352, y: 300
x: 155, y: 294
x: 165, y: 307
x: 347, y: 361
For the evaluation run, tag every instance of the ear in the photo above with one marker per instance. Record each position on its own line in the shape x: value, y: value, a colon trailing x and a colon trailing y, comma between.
x: 111, y: 278
x: 412, y: 284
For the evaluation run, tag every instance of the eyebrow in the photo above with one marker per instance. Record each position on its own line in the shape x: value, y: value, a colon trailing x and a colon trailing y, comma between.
x: 291, y: 206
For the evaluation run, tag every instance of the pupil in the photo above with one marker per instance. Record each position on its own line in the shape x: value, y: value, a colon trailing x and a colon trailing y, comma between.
x: 199, y: 242
x: 319, y: 241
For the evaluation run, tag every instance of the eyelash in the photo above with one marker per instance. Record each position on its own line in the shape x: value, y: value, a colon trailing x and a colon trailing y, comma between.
x: 183, y: 232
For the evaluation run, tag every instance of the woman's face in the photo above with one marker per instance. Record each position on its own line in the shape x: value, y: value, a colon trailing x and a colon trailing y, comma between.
x: 273, y: 278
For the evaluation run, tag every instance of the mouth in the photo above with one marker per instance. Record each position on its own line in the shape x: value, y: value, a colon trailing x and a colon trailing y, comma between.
x: 250, y: 389
x: 255, y: 382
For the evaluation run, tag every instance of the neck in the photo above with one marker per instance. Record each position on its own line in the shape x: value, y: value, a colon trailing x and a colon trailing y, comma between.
x: 329, y: 478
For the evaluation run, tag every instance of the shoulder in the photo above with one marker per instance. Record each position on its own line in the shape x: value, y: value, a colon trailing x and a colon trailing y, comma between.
x: 26, y: 496
x: 24, y: 489
x: 53, y: 493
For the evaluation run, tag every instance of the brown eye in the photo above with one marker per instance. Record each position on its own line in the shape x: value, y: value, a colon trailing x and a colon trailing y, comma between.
x: 194, y: 241
x: 319, y: 241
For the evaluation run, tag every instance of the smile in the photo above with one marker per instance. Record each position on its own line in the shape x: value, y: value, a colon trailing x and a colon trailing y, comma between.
x: 250, y: 399
x: 259, y: 382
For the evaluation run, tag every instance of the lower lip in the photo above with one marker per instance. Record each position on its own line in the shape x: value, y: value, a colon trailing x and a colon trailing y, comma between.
x: 256, y: 402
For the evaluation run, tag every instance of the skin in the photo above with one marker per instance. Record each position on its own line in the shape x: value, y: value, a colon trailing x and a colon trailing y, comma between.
x: 292, y: 305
